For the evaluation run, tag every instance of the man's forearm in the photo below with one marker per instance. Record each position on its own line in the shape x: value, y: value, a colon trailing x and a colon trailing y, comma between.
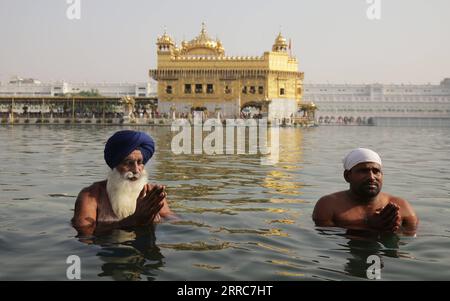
x: 409, y: 226
x: 122, y: 224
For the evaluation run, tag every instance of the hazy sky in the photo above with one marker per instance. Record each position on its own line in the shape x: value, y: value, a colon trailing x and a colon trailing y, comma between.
x: 334, y: 40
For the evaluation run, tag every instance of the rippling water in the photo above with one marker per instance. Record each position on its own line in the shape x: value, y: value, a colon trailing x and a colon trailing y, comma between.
x: 239, y: 220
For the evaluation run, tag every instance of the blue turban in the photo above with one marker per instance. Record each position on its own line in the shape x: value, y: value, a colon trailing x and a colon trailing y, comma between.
x: 123, y: 143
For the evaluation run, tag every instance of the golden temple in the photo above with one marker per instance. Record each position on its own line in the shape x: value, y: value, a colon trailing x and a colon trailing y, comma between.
x: 199, y: 76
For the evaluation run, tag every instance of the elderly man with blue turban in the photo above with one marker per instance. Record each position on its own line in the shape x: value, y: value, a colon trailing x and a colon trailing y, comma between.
x: 363, y: 205
x: 124, y: 199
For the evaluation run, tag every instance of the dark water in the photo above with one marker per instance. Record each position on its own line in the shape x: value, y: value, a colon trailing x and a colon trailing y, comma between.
x: 239, y: 220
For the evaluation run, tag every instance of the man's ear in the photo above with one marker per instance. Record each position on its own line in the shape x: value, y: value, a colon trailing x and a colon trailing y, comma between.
x: 347, y: 175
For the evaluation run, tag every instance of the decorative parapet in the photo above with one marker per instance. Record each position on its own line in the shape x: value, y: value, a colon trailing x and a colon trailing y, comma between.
x: 218, y: 58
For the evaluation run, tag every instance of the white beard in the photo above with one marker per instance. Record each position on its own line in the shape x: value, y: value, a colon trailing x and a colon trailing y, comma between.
x: 123, y: 193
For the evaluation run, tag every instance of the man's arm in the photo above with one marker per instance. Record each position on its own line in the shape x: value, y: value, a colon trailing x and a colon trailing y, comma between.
x: 85, y: 216
x: 323, y: 213
x: 386, y: 219
x: 396, y: 216
x: 409, y: 218
x: 165, y: 211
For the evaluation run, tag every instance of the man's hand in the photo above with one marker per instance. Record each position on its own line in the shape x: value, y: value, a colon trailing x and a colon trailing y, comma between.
x: 149, y: 203
x: 386, y: 220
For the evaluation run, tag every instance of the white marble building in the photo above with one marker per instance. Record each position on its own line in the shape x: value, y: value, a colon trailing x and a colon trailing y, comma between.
x: 31, y: 87
x: 359, y: 103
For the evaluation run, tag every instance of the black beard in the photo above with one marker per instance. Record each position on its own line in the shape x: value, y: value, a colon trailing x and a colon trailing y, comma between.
x: 365, y: 192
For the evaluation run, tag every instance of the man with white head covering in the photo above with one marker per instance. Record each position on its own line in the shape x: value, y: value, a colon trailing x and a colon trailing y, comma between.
x: 363, y: 205
x: 124, y: 199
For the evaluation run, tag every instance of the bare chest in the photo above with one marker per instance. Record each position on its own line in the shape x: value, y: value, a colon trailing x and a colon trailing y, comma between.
x: 353, y: 216
x: 105, y: 213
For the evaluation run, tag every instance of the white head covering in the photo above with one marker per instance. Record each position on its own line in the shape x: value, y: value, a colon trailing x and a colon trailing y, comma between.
x: 360, y: 155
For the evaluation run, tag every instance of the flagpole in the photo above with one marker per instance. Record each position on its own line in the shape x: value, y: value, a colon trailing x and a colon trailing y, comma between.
x: 290, y: 47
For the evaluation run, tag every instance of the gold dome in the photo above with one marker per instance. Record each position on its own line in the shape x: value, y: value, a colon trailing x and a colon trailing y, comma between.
x: 165, y: 40
x: 202, y: 45
x: 280, y: 43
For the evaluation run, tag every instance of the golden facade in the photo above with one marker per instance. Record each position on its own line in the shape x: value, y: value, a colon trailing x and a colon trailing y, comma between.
x: 199, y: 75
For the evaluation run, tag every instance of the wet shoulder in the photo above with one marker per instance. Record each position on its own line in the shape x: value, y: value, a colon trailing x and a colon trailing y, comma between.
x: 331, y: 202
x: 326, y: 208
x: 334, y: 198
x: 93, y: 190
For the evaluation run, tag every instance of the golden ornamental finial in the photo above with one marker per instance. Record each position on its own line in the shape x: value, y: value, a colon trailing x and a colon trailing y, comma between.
x: 203, y: 27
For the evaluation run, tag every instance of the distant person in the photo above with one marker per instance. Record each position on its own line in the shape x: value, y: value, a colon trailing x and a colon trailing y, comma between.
x: 364, y: 206
x: 124, y: 199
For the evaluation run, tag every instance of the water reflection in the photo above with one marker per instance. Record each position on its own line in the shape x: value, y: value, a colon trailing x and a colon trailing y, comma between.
x: 360, y: 244
x: 128, y: 254
x: 283, y: 178
x: 359, y: 251
x: 239, y: 219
